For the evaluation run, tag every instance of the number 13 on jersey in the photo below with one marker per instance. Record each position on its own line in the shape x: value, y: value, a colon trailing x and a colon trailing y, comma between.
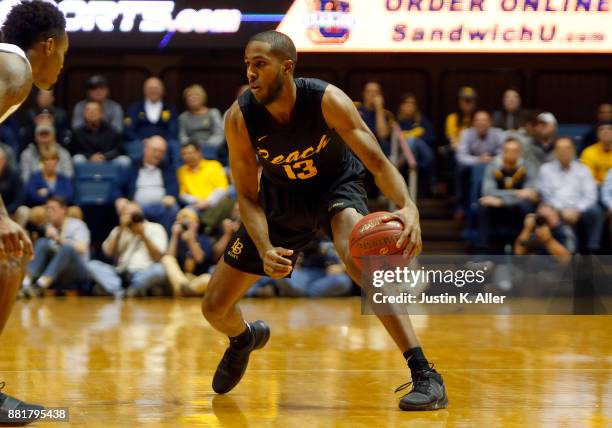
x: 301, y: 170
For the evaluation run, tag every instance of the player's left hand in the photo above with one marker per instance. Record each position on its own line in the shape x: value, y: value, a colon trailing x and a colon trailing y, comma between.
x: 277, y: 263
x: 410, y: 238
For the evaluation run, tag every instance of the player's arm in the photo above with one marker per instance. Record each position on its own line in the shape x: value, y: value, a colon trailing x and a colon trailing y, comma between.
x: 15, y: 84
x: 342, y: 116
x: 243, y: 163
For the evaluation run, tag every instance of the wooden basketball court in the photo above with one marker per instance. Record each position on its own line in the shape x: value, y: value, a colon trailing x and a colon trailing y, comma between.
x: 150, y: 363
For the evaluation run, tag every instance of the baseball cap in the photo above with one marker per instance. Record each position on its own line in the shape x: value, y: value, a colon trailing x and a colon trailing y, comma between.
x: 547, y: 117
x: 44, y: 128
x: 97, y: 81
x: 604, y: 123
x: 467, y: 93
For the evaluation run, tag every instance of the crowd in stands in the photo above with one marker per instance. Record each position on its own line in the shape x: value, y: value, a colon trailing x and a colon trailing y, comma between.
x: 518, y: 185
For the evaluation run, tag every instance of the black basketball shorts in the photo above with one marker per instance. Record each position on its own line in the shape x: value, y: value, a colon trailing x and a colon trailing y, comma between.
x: 294, y: 219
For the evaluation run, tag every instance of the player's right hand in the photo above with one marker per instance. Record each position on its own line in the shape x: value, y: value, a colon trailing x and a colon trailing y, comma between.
x: 14, y: 241
x: 276, y: 262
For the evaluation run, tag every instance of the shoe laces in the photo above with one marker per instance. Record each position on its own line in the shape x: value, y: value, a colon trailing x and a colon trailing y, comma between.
x: 419, y: 382
x: 233, y: 356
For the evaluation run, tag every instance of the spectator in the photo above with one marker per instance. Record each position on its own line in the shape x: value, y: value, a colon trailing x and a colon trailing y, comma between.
x: 9, y: 155
x: 418, y: 133
x: 59, y: 257
x: 539, y: 148
x: 202, y: 182
x: 373, y: 113
x: 598, y: 157
x: 152, y: 116
x: 604, y: 114
x: 44, y: 140
x: 606, y: 195
x: 545, y: 233
x: 97, y: 90
x: 511, y: 116
x: 47, y: 182
x: 568, y: 186
x: 95, y: 140
x: 57, y: 116
x: 508, y: 194
x: 151, y: 183
x: 10, y: 186
x: 201, y: 123
x: 380, y: 121
x: 136, y: 246
x: 8, y: 138
x: 190, y: 255
x: 479, y: 144
x: 462, y: 118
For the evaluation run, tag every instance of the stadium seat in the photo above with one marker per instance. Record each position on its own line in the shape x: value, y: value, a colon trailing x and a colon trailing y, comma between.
x: 96, y: 183
x: 133, y: 149
x: 575, y: 130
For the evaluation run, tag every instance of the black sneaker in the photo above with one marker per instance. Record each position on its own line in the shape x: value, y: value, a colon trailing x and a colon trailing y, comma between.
x: 235, y: 360
x: 428, y: 392
x: 14, y: 412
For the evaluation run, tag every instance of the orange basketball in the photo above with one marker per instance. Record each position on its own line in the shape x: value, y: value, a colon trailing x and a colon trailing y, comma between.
x: 373, y: 237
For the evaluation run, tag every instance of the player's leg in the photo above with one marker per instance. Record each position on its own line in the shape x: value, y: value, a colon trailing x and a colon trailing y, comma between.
x: 12, y: 271
x: 220, y: 307
x: 400, y: 328
x: 428, y: 391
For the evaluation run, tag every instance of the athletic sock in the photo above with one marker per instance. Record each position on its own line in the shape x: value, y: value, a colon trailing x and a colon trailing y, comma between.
x: 243, y: 339
x: 416, y: 359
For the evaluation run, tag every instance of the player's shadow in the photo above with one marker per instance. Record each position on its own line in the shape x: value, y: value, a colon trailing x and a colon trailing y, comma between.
x: 228, y: 412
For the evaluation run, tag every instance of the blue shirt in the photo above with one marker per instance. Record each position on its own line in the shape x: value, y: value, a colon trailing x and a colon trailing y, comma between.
x: 418, y: 129
x: 369, y: 117
x: 63, y: 187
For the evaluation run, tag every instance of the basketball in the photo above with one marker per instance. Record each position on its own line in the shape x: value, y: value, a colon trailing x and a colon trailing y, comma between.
x: 371, y: 236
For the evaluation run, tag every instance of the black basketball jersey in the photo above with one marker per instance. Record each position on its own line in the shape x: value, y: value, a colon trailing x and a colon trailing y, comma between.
x: 305, y: 152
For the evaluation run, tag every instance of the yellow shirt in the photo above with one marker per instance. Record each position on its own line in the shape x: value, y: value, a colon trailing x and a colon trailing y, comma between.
x: 598, y: 160
x: 454, y: 126
x: 201, y: 183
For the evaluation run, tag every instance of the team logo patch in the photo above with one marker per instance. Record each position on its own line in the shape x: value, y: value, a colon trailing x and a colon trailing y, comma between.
x: 330, y: 21
x: 236, y: 248
x: 263, y: 153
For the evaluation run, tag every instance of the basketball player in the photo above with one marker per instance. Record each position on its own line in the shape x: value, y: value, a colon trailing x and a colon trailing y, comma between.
x: 304, y: 132
x: 34, y: 54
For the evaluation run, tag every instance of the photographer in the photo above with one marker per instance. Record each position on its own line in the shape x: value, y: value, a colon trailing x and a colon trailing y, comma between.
x: 136, y: 247
x: 545, y: 233
x: 59, y: 256
x: 190, y: 255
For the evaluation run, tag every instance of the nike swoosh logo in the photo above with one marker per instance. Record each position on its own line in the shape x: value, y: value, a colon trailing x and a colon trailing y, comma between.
x: 262, y: 138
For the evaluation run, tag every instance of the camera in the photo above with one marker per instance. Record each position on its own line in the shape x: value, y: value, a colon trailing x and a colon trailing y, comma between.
x: 185, y: 226
x: 540, y: 220
x: 137, y: 218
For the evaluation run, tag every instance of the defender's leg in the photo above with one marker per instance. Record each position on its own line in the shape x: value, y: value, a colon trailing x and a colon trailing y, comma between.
x: 12, y: 271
